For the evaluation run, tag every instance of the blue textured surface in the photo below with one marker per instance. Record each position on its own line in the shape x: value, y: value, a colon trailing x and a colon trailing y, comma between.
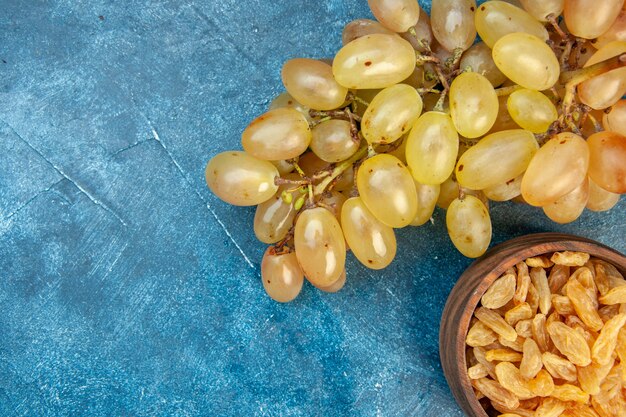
x: 126, y: 288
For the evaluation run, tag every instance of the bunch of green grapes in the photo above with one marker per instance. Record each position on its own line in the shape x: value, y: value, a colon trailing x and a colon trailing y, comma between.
x: 412, y: 113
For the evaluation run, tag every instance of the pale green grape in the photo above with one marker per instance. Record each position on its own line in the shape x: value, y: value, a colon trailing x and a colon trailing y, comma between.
x: 532, y: 110
x: 333, y: 200
x: 615, y: 119
x: 526, y: 60
x: 335, y: 286
x: 473, y: 104
x: 285, y: 100
x: 397, y: 15
x: 283, y: 166
x: 362, y: 27
x: 617, y: 31
x: 478, y: 58
x: 281, y: 275
x: 496, y: 158
x: 278, y: 134
x: 391, y: 114
x: 423, y: 32
x: 505, y: 191
x: 570, y: 206
x: 240, y: 179
x: 273, y: 218
x: 590, y: 18
x: 311, y: 82
x: 494, y: 19
x: 320, y: 246
x: 432, y: 147
x: 374, y: 61
x: 452, y: 23
x: 450, y: 190
x: 427, y: 196
x: 372, y: 242
x: 557, y: 168
x: 602, y: 91
x: 387, y: 189
x: 504, y: 121
x: 607, y: 163
x: 541, y: 9
x: 310, y: 163
x: 332, y: 141
x: 469, y: 226
x: 600, y: 199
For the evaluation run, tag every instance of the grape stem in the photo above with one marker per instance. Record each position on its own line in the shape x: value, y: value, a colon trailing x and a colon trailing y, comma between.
x: 505, y: 91
x: 338, y: 170
x: 285, y: 181
x: 555, y: 24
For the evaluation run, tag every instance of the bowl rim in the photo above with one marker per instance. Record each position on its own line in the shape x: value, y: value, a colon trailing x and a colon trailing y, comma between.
x: 514, y: 251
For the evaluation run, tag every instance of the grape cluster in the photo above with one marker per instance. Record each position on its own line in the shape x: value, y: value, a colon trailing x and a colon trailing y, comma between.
x: 412, y: 113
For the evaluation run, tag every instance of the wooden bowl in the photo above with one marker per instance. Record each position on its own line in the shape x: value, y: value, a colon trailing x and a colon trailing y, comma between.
x: 473, y: 283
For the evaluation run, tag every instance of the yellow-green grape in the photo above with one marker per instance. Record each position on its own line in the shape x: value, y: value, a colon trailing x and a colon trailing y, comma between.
x: 600, y: 199
x: 526, y: 60
x: 469, y: 226
x: 607, y: 161
x: 274, y: 218
x: 281, y: 274
x: 285, y: 100
x: 615, y: 119
x: 332, y: 141
x: 473, y: 104
x: 391, y: 114
x: 240, y: 179
x: 333, y: 200
x: 372, y: 242
x: 310, y: 164
x: 283, y: 166
x: 367, y: 96
x: 374, y: 61
x: 617, y: 31
x: 423, y: 33
x: 400, y: 151
x: 558, y: 167
x: 387, y: 189
x: 496, y: 158
x: 416, y: 79
x: 541, y: 9
x: 362, y: 27
x: 335, y: 286
x: 452, y: 23
x: 432, y: 147
x: 532, y: 110
x: 397, y: 15
x: 427, y: 196
x: 570, y: 206
x: 278, y: 134
x: 590, y: 18
x: 504, y: 121
x: 345, y: 182
x: 602, y: 91
x: 505, y: 191
x: 448, y: 191
x: 311, y: 82
x: 478, y: 58
x: 494, y: 19
x: 320, y: 246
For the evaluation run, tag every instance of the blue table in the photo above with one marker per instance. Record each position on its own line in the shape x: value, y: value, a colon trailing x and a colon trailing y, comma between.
x: 127, y: 289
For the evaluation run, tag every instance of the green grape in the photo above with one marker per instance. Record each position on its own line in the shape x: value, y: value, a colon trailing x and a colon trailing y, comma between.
x: 479, y: 59
x: 558, y: 167
x: 504, y: 121
x: 345, y: 182
x: 278, y: 134
x: 602, y: 91
x: 590, y: 18
x: 310, y: 164
x: 423, y: 32
x: 448, y: 191
x: 417, y: 79
x: 469, y: 226
x: 285, y: 100
x: 387, y: 189
x: 281, y: 275
x: 283, y: 166
x: 607, y: 162
x: 335, y: 286
x: 311, y: 82
x: 541, y: 9
x: 452, y: 23
x: 532, y: 110
x: 427, y: 196
x: 400, y: 151
x: 570, y: 206
x: 362, y: 27
x: 274, y: 218
x: 374, y: 61
x: 600, y: 199
x: 617, y: 31
x: 397, y: 15
x: 391, y: 114
x: 615, y: 119
x: 333, y: 200
x: 240, y: 179
x: 432, y: 147
x: 494, y: 19
x: 320, y: 246
x: 496, y: 158
x: 332, y: 141
x: 505, y: 191
x: 473, y: 104
x: 526, y: 60
x: 372, y: 242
